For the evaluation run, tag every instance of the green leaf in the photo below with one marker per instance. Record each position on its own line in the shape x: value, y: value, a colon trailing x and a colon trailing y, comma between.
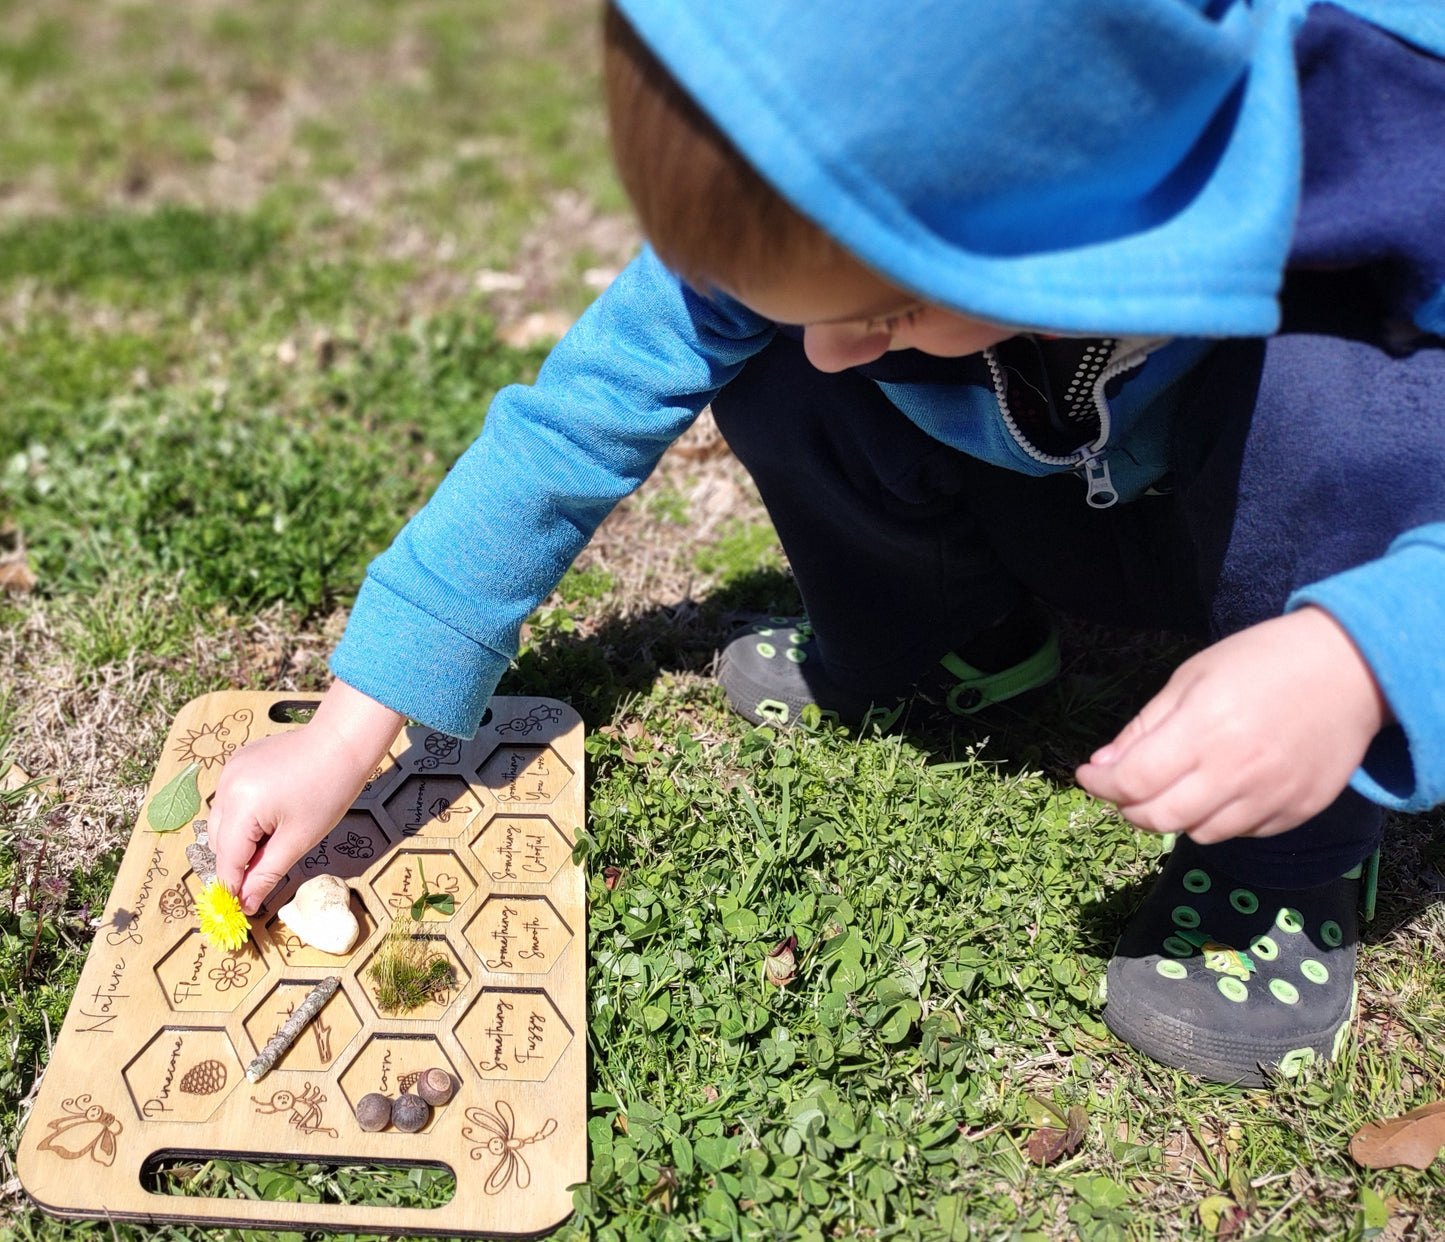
x: 1212, y: 1210
x: 895, y: 1027
x: 445, y: 903
x: 654, y: 1016
x: 176, y: 802
x: 741, y: 923
x: 1375, y: 1215
x: 849, y: 976
x: 418, y: 908
x: 1041, y: 1112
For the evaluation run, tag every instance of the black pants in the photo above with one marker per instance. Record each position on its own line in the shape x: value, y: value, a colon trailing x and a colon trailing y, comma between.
x: 1292, y: 459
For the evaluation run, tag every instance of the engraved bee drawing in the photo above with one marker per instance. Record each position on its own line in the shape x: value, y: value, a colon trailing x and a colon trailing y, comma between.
x: 86, y: 1129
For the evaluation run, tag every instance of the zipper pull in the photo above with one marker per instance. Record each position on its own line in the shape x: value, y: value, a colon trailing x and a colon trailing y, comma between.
x: 1101, y: 493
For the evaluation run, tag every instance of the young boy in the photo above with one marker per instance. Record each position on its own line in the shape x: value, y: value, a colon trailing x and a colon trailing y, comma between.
x: 1132, y: 306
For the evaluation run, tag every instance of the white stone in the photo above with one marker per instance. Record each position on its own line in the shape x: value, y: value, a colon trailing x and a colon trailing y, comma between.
x: 320, y: 913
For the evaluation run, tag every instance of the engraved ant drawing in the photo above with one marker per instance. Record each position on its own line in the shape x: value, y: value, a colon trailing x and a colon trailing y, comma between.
x: 505, y: 1145
x: 533, y: 722
x: 305, y: 1108
x: 85, y: 1130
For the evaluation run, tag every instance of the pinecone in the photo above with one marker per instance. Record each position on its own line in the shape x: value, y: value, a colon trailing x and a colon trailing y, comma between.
x: 204, y: 1078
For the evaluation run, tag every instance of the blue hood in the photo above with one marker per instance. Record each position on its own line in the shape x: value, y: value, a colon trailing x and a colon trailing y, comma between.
x: 1116, y: 166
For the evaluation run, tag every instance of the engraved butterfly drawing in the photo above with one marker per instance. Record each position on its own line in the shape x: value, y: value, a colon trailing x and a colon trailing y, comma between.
x: 505, y: 1144
x: 85, y: 1130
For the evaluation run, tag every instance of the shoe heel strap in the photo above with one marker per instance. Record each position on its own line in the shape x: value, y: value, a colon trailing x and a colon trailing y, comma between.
x: 1036, y: 670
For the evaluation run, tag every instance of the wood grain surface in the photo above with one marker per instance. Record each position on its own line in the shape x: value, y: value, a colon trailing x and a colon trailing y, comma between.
x: 151, y: 1058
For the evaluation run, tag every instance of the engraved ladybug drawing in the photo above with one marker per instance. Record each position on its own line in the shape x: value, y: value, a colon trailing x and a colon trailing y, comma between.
x: 175, y: 903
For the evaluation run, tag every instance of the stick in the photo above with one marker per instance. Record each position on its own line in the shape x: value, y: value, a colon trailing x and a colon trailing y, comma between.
x: 200, y: 855
x: 292, y: 1027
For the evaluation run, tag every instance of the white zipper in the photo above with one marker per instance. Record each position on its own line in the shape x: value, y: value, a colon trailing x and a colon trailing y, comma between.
x: 1088, y: 459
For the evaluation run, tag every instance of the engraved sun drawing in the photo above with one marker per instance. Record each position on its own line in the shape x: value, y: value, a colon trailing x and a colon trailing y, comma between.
x: 212, y: 744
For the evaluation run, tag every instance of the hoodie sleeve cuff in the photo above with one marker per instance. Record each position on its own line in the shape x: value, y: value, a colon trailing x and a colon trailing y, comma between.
x: 443, y: 678
x: 1393, y: 609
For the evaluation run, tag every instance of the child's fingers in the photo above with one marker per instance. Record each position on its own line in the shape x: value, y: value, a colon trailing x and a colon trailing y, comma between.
x: 1154, y: 762
x: 274, y: 857
x: 1151, y: 716
x: 234, y: 839
x: 1193, y: 800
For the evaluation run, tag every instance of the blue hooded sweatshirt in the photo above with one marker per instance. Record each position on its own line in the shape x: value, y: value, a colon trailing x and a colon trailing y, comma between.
x: 1130, y: 168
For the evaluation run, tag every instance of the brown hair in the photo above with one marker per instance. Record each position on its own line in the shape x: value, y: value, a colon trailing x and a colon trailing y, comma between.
x: 706, y: 211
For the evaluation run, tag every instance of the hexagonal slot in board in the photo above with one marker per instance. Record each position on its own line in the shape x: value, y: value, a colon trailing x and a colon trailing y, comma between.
x: 521, y: 776
x: 380, y: 781
x: 433, y: 806
x: 296, y: 952
x: 441, y: 996
x: 514, y: 1033
x: 183, y: 1074
x: 346, y: 852
x: 518, y: 935
x: 526, y: 848
x: 325, y: 1037
x: 197, y: 977
x: 390, y: 1064
x: 400, y: 882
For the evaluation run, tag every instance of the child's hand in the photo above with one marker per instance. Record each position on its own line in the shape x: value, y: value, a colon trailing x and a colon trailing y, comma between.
x: 1249, y: 737
x: 280, y: 795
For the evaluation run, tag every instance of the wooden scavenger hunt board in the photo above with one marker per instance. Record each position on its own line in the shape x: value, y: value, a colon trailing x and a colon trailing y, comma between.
x: 151, y: 1058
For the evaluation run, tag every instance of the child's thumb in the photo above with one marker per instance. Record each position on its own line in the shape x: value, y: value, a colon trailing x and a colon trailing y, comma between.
x: 272, y: 860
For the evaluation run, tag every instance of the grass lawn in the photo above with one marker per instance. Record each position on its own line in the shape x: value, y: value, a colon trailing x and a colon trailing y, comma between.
x: 262, y: 265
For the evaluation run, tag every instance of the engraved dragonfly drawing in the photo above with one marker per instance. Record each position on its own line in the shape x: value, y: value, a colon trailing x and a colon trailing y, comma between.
x: 505, y: 1144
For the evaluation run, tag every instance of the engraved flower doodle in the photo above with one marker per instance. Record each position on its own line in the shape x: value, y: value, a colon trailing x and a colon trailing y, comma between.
x: 231, y: 973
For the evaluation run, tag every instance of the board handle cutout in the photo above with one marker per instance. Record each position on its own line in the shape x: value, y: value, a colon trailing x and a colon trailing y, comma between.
x: 293, y: 711
x: 178, y: 1173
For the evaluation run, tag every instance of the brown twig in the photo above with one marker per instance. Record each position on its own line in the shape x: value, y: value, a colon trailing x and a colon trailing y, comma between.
x: 292, y: 1027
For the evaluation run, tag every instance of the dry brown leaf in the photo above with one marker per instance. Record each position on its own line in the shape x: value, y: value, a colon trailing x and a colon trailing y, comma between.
x: 1414, y: 1139
x: 15, y: 777
x: 1049, y: 1144
x: 16, y: 574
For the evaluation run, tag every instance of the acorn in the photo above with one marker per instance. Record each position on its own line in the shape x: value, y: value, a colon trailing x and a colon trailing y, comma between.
x: 410, y: 1113
x: 435, y: 1087
x: 373, y: 1112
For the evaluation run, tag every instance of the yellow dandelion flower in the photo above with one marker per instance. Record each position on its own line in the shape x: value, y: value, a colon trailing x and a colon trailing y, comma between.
x: 222, y: 922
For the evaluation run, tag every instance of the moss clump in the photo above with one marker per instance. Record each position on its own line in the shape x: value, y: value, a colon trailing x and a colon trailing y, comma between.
x: 407, y: 971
